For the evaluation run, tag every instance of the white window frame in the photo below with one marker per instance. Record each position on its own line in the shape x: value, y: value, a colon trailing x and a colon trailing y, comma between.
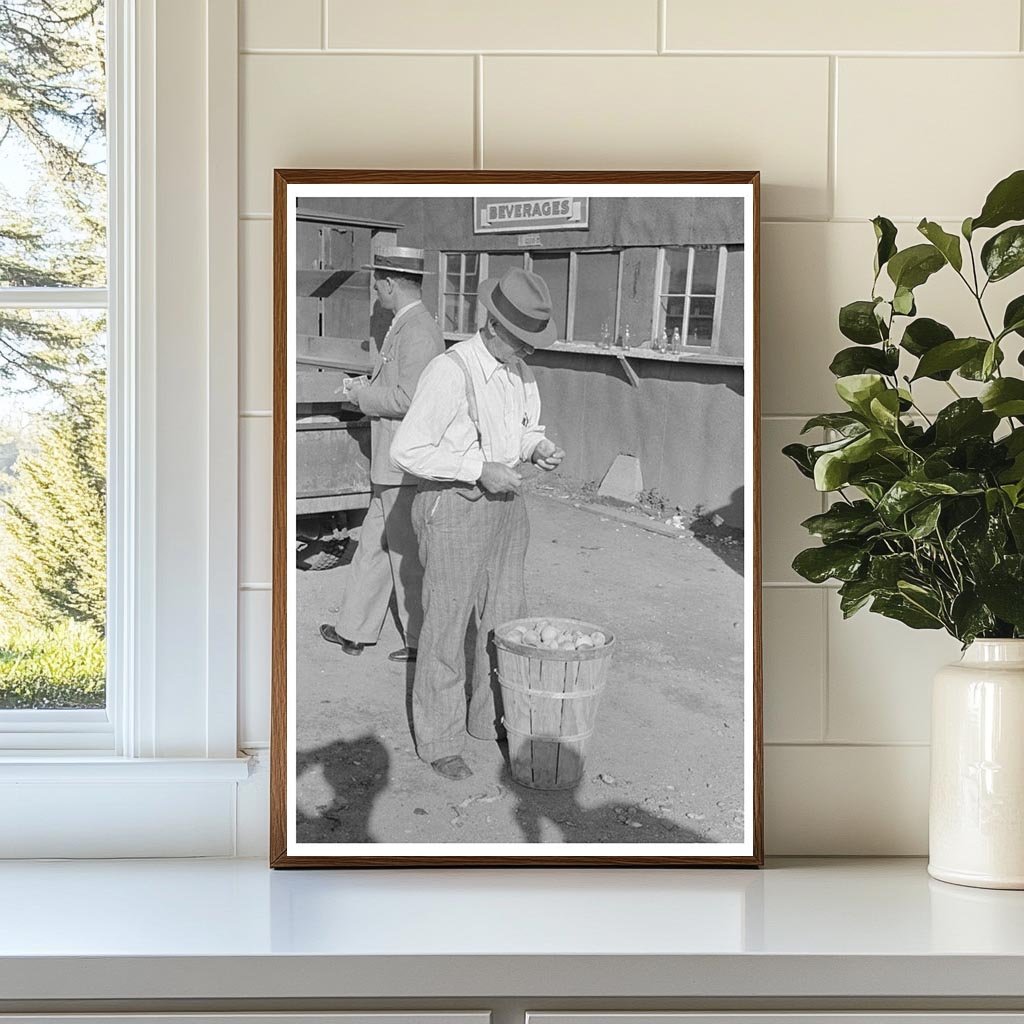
x: 173, y: 442
x: 67, y: 729
x: 660, y: 296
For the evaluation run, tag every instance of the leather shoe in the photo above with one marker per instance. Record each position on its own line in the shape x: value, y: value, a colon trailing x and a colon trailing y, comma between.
x: 403, y: 654
x: 452, y: 768
x: 348, y: 646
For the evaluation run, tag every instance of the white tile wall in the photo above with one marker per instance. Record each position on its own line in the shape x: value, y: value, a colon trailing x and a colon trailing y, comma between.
x: 908, y: 110
x: 472, y: 25
x: 256, y: 304
x: 764, y: 113
x: 962, y: 129
x: 873, y: 25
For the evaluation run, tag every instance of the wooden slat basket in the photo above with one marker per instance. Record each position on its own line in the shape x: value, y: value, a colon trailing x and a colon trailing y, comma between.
x: 550, y: 703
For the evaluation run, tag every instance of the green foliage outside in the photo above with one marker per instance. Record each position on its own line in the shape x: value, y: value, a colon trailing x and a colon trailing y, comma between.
x: 59, y: 667
x: 52, y: 470
x: 52, y: 543
x: 927, y: 526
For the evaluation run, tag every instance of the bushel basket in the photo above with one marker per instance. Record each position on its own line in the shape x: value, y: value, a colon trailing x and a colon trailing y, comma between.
x: 550, y: 700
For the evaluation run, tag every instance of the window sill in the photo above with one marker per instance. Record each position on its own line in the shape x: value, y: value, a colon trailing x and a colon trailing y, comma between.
x: 693, y: 355
x: 74, y: 766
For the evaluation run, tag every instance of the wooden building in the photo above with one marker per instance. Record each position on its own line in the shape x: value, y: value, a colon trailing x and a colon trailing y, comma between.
x: 648, y: 298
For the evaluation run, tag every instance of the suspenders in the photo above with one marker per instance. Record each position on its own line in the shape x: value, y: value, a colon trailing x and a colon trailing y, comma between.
x: 470, y: 392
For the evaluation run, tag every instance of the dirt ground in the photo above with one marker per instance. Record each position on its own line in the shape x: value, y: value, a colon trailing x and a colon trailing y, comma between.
x: 665, y: 763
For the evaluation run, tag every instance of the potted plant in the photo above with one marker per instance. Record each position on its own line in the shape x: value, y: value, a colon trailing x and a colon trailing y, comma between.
x: 927, y: 521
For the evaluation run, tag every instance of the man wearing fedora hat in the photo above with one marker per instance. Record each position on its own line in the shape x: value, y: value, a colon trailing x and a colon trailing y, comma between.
x: 474, y: 418
x: 387, y: 558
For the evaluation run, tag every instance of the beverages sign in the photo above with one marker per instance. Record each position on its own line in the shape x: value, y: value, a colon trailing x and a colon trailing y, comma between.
x: 496, y: 216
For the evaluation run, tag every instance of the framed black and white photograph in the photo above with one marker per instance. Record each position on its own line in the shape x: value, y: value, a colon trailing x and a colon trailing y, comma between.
x: 516, y: 550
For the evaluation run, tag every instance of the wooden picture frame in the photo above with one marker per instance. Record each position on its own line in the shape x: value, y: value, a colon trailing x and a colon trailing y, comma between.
x: 687, y: 654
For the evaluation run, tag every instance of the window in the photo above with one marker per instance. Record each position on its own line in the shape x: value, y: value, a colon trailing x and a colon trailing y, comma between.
x: 595, y: 302
x: 690, y: 289
x: 554, y: 268
x: 461, y: 278
x: 583, y: 285
x: 53, y: 360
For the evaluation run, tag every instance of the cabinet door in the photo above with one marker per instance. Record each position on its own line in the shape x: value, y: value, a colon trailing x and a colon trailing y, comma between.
x: 360, y: 1017
x: 934, y: 1017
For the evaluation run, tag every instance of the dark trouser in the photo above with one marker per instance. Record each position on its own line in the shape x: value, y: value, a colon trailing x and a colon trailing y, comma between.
x: 473, y: 549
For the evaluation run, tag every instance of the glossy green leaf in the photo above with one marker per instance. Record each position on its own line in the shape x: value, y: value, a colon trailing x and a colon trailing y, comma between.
x: 900, y: 608
x: 947, y: 244
x: 971, y: 617
x: 1013, y: 317
x: 1005, y: 202
x: 854, y: 594
x: 885, y: 409
x: 885, y: 237
x: 925, y: 518
x: 911, y: 267
x: 974, y: 368
x: 907, y: 494
x: 843, y: 521
x: 1004, y: 397
x: 948, y: 356
x: 840, y: 561
x: 923, y: 335
x: 857, y: 321
x: 990, y: 360
x: 849, y: 361
x: 965, y: 229
x: 1005, y: 596
x: 1003, y: 254
x: 831, y: 471
x: 799, y: 455
x: 858, y: 389
x: 841, y: 421
x: 903, y: 302
x: 966, y: 417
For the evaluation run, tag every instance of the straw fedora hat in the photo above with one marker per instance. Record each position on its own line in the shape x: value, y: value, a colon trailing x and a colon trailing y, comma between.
x: 520, y: 301
x: 398, y: 258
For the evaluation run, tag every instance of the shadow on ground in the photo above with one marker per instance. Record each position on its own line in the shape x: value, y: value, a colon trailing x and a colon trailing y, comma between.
x: 602, y: 823
x: 356, y: 771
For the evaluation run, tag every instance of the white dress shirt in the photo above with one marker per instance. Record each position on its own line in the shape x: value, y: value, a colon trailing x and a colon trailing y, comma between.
x: 437, y: 440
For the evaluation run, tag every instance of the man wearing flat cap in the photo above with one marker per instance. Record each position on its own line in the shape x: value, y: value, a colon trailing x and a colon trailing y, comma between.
x: 387, y: 558
x: 474, y: 418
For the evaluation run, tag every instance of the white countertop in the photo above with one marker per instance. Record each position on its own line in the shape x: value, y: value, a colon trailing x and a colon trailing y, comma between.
x: 233, y: 929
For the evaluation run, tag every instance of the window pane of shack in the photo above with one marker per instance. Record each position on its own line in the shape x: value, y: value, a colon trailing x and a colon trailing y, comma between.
x: 597, y: 277
x: 676, y: 261
x: 705, y: 272
x: 554, y: 268
x: 454, y: 272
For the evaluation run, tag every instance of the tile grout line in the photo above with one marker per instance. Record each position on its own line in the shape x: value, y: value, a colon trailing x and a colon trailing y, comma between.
x: 824, y: 723
x: 768, y: 55
x: 852, y: 744
x: 832, y: 170
x: 1020, y: 24
x: 663, y: 26
x: 323, y: 24
x: 478, y: 111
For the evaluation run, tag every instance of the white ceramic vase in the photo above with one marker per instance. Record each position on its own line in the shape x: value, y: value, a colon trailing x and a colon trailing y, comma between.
x: 976, y: 813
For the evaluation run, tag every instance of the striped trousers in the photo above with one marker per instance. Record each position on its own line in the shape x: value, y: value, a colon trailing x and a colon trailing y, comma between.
x: 473, y: 548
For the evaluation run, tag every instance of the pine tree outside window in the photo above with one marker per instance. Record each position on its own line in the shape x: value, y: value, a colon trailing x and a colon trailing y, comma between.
x: 53, y: 363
